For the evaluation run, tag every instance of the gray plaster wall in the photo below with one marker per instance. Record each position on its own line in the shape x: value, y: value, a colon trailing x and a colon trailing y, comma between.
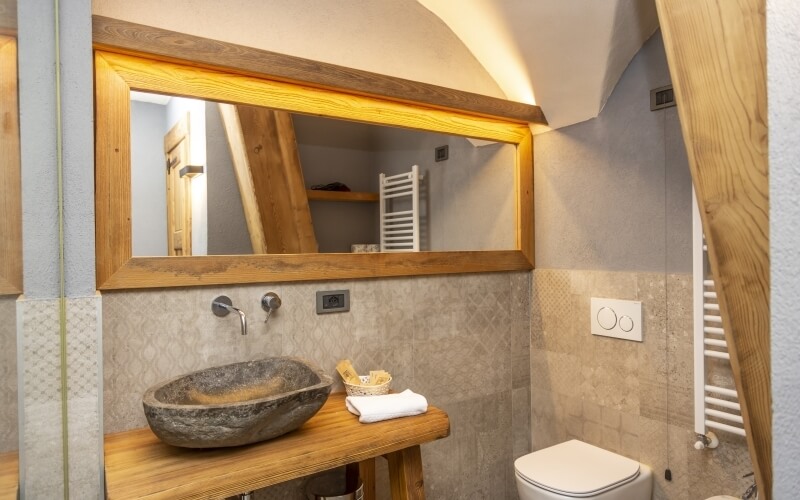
x: 148, y: 184
x: 227, y: 227
x: 37, y: 81
x: 783, y: 73
x: 38, y: 149
x: 467, y: 202
x: 614, y: 192
x: 77, y: 101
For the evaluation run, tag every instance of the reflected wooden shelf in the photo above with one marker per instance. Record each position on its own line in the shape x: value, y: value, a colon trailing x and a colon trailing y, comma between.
x: 138, y: 465
x: 319, y: 195
x: 9, y: 475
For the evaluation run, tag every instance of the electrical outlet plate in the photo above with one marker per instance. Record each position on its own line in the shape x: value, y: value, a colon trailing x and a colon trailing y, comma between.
x: 332, y: 301
x: 620, y: 319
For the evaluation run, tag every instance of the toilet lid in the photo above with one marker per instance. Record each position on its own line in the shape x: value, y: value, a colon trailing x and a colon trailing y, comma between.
x: 576, y: 469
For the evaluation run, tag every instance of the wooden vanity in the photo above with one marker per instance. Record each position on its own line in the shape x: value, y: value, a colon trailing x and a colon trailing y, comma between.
x: 138, y: 465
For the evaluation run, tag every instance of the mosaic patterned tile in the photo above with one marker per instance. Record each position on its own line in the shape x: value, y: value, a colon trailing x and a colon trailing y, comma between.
x: 83, y: 407
x: 634, y: 399
x: 41, y: 469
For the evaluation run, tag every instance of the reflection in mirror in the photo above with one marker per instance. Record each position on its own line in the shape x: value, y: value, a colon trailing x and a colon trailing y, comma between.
x: 218, y: 179
x: 10, y: 248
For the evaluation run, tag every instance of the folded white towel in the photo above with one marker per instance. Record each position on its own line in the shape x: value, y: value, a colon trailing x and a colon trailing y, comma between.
x: 377, y: 408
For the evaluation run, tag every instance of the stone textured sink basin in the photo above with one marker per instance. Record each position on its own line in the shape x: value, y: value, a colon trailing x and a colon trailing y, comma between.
x: 236, y: 404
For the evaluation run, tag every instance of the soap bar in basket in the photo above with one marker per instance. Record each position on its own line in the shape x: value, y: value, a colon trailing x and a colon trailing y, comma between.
x: 378, y: 377
x: 348, y: 373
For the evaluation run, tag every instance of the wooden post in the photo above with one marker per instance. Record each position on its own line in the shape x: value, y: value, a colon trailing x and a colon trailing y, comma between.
x: 364, y: 470
x: 716, y: 51
x: 405, y: 474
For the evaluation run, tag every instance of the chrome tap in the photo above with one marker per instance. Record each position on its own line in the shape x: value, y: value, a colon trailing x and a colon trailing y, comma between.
x: 269, y: 302
x: 222, y: 306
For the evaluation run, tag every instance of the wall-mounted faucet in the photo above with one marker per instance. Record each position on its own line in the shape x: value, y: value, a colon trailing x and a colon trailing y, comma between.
x: 269, y: 302
x: 222, y: 306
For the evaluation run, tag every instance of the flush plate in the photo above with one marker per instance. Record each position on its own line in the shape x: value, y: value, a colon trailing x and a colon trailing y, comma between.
x: 620, y: 319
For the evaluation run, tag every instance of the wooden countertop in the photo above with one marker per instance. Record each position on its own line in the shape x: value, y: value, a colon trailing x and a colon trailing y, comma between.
x: 9, y: 475
x: 138, y: 465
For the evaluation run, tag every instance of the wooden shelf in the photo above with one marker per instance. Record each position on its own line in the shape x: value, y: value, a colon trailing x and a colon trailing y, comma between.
x: 9, y: 475
x: 138, y: 465
x: 319, y: 195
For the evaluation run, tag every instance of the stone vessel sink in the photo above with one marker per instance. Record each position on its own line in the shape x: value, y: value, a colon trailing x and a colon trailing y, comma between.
x: 236, y: 404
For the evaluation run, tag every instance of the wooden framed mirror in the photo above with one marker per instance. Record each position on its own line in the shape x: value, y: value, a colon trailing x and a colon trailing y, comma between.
x: 117, y: 74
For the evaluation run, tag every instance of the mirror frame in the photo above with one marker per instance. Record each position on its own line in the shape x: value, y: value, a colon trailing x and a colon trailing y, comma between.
x: 117, y: 73
x: 10, y: 185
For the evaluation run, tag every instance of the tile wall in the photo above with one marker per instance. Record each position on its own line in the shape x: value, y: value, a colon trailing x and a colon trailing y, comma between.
x: 631, y: 398
x: 42, y: 466
x: 460, y: 340
x: 8, y: 374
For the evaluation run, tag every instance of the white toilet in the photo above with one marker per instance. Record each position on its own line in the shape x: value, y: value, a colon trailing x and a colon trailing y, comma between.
x: 575, y: 469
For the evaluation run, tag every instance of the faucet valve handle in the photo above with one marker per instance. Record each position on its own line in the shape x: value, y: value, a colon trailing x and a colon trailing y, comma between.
x: 269, y: 302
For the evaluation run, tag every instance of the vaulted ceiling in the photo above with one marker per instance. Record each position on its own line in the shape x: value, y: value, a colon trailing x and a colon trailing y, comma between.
x: 564, y: 55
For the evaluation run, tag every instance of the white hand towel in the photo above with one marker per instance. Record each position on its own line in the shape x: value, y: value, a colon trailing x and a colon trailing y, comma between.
x: 377, y: 408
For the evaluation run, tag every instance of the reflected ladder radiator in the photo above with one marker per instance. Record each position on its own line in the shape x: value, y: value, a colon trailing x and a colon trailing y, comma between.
x: 400, y: 229
x: 714, y: 407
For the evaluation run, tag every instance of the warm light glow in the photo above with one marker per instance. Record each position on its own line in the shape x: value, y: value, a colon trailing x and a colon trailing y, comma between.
x: 486, y: 35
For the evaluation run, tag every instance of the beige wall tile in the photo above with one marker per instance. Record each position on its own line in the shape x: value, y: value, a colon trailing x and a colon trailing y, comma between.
x: 635, y: 399
x: 462, y: 341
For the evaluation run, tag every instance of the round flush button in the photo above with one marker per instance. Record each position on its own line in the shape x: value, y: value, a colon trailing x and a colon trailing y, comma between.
x: 606, y: 318
x: 626, y: 323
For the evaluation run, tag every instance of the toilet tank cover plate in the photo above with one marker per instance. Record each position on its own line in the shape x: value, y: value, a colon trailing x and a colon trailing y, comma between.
x: 576, y: 469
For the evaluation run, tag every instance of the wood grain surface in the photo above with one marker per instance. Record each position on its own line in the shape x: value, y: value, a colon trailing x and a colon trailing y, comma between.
x: 716, y: 51
x: 156, y: 272
x: 138, y: 465
x: 9, y: 475
x: 122, y: 36
x: 10, y: 187
x: 320, y: 195
x: 113, y: 240
x: 274, y: 167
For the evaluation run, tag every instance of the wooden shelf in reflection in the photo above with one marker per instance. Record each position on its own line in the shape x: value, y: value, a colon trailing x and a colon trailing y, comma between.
x: 319, y: 195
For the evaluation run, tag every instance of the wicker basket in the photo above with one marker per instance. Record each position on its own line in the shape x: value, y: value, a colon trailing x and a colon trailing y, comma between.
x: 367, y: 390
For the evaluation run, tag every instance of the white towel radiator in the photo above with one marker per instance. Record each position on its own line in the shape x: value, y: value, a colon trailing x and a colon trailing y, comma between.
x: 714, y: 407
x: 400, y: 228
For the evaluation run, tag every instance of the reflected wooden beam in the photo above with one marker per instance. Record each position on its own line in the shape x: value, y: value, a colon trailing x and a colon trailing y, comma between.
x: 241, y: 168
x: 716, y: 51
x: 267, y: 165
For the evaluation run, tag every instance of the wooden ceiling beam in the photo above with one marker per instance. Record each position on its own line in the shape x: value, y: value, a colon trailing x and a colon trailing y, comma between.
x: 716, y: 51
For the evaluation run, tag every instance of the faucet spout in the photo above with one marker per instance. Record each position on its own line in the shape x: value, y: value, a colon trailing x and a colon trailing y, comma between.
x: 242, y: 319
x: 222, y: 306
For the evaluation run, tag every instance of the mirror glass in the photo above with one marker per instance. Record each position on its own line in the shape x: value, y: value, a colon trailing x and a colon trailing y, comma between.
x: 10, y: 246
x: 219, y: 179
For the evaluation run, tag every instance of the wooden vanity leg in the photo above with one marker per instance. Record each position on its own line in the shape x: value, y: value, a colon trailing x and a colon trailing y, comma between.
x: 366, y: 471
x: 405, y: 474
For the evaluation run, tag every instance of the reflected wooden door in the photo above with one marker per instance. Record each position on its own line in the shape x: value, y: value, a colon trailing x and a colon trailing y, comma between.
x: 179, y: 195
